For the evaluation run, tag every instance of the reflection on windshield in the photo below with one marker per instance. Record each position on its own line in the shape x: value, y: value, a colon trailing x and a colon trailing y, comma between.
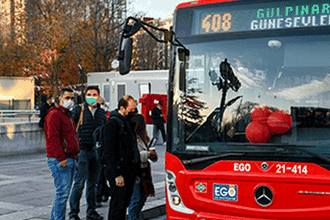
x: 280, y: 73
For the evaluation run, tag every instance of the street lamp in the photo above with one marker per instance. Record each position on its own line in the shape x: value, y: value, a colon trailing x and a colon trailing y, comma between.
x: 82, y: 73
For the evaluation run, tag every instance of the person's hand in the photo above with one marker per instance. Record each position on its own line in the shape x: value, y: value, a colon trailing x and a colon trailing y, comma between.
x: 152, y: 154
x: 120, y: 181
x: 64, y: 163
x: 155, y: 155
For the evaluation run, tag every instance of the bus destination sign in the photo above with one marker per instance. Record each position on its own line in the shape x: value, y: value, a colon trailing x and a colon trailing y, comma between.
x: 262, y: 16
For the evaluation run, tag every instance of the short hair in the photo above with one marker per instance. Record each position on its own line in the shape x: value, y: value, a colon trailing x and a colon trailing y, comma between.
x: 123, y: 102
x: 65, y: 90
x: 49, y: 97
x: 93, y: 87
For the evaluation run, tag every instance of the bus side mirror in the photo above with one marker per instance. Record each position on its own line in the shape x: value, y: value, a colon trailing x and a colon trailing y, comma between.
x: 125, y: 56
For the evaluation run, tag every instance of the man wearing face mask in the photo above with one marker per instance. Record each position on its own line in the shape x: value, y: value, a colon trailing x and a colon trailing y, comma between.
x: 122, y: 157
x: 89, y: 117
x: 104, y: 106
x: 62, y: 145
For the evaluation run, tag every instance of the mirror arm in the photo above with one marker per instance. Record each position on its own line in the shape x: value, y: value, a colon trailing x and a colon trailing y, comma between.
x: 152, y: 35
x: 129, y: 30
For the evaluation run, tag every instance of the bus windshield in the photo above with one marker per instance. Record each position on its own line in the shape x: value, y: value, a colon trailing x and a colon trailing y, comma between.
x: 288, y: 73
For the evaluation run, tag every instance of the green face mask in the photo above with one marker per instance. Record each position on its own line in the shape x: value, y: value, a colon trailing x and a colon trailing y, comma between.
x: 91, y: 100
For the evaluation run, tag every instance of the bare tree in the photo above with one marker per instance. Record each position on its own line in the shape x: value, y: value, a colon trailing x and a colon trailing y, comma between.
x: 47, y: 39
x: 53, y: 28
x: 105, y: 22
x: 148, y: 54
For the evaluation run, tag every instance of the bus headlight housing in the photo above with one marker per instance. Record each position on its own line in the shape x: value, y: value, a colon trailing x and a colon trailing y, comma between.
x: 176, y: 200
x: 173, y: 196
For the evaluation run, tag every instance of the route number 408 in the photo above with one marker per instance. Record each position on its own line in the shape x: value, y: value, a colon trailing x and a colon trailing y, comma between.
x: 216, y: 22
x: 296, y: 169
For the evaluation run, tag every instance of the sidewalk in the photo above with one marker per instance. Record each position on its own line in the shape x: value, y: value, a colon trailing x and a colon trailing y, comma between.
x: 27, y: 189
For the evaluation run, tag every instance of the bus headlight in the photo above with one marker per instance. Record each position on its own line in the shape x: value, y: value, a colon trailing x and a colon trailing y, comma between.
x: 173, y: 196
x: 176, y: 200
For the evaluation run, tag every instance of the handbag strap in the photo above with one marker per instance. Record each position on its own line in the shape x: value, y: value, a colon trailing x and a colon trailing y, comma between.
x: 80, y: 122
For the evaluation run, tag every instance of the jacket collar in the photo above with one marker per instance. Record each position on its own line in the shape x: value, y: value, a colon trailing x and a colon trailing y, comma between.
x: 65, y: 111
x: 116, y: 113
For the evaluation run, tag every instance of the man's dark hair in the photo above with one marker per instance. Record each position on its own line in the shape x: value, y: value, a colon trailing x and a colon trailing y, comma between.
x: 124, y: 101
x: 65, y: 90
x: 93, y: 87
x: 49, y: 97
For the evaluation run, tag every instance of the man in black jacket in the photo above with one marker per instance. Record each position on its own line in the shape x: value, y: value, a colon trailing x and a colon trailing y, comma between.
x: 44, y: 109
x: 158, y: 121
x: 122, y: 157
x: 88, y: 117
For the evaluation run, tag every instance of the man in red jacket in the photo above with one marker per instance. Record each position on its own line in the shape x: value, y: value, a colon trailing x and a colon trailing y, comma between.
x: 62, y: 145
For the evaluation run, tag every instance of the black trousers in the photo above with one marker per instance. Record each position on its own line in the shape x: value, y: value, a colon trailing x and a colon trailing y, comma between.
x: 102, y: 188
x: 120, y: 198
x: 156, y: 129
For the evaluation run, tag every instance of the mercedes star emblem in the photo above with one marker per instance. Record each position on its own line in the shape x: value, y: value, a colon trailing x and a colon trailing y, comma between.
x: 264, y: 166
x: 264, y: 196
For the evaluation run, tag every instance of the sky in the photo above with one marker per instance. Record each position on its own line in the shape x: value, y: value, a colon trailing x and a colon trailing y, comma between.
x: 154, y: 8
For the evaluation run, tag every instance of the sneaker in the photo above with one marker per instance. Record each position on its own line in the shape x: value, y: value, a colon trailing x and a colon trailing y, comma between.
x: 74, y: 217
x: 94, y: 216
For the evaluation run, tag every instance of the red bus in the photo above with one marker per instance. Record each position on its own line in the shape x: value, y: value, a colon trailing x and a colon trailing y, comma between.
x: 249, y: 112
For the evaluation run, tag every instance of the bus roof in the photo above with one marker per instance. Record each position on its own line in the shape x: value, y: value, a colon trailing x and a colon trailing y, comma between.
x: 201, y: 2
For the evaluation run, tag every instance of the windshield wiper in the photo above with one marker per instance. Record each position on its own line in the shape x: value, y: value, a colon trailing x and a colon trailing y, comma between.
x: 203, y: 159
x: 283, y: 146
x: 288, y: 146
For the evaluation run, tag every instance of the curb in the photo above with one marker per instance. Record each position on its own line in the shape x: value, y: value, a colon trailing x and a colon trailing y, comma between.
x: 152, y: 213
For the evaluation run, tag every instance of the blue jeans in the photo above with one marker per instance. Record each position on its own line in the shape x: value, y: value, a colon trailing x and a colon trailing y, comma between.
x: 138, y: 200
x: 88, y: 171
x: 63, y: 178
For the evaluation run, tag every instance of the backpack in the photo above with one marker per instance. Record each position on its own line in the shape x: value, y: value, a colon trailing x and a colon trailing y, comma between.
x: 98, y: 138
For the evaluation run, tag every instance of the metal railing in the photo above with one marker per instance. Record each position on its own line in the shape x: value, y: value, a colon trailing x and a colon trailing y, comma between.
x: 12, y: 116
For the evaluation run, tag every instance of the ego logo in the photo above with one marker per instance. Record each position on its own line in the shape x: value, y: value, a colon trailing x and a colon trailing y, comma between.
x: 242, y: 167
x: 227, y: 192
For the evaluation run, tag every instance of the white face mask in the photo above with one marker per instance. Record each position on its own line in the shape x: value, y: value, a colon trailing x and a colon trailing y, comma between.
x: 53, y: 100
x: 67, y: 104
x: 104, y: 107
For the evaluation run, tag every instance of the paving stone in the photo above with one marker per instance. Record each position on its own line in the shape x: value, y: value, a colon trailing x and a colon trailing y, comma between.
x: 27, y: 189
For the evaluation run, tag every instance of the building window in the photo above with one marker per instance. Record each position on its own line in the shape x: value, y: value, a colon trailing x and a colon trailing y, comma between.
x: 106, y: 92
x: 121, y: 91
x: 144, y: 89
